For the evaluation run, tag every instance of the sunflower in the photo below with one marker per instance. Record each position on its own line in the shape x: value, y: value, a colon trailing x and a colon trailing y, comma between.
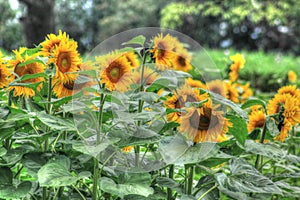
x: 195, y: 83
x: 231, y: 92
x: 290, y: 89
x: 66, y: 59
x: 179, y: 98
x: 52, y: 41
x: 182, y: 61
x: 238, y: 63
x: 292, y: 111
x: 163, y: 51
x: 257, y: 119
x: 244, y: 91
x: 19, y: 71
x: 217, y: 86
x: 149, y: 76
x: 284, y: 132
x: 275, y: 103
x: 4, y: 74
x: 132, y: 58
x: 64, y: 89
x: 115, y: 71
x: 204, y: 124
x: 292, y: 76
x: 127, y: 149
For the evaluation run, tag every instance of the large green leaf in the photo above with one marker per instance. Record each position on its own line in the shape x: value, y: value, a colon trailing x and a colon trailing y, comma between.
x: 56, y: 123
x: 108, y: 185
x: 253, y: 102
x: 267, y: 150
x: 175, y: 150
x: 169, y: 183
x: 90, y: 149
x: 244, y: 178
x: 238, y: 129
x: 140, y: 40
x: 56, y: 173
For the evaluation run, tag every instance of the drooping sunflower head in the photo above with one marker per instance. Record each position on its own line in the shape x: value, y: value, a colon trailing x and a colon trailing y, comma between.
x: 163, y: 51
x: 52, y: 41
x: 202, y: 124
x: 132, y: 58
x: 217, y: 86
x: 257, y: 119
x: 19, y: 69
x: 115, y: 71
x: 66, y: 59
x: 292, y: 76
x: 180, y: 98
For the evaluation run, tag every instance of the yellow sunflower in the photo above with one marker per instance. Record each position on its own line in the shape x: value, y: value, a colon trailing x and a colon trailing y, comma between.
x: 182, y: 61
x: 292, y: 76
x: 127, y: 149
x: 257, y: 119
x: 204, y: 124
x: 284, y: 132
x: 19, y: 71
x: 290, y: 89
x: 149, y: 76
x: 4, y: 74
x: 163, y: 51
x: 179, y: 98
x: 244, y: 91
x: 231, y: 92
x: 132, y: 58
x: 275, y: 103
x: 195, y: 83
x: 238, y: 63
x: 217, y: 86
x: 292, y: 111
x: 115, y: 71
x: 66, y: 59
x: 51, y: 41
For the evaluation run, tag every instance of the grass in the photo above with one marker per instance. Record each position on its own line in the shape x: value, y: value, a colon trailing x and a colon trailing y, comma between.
x: 266, y: 71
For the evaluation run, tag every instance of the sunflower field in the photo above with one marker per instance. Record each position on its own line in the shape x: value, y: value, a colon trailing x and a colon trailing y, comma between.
x: 142, y: 117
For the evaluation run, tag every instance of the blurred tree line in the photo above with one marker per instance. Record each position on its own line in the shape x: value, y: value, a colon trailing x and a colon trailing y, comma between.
x: 241, y: 24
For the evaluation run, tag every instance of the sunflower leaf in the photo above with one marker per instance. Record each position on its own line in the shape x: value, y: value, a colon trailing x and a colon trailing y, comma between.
x: 252, y: 102
x: 140, y: 40
x: 42, y: 60
x: 238, y: 129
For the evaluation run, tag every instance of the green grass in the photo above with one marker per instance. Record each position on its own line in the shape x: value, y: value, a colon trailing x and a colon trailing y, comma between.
x: 266, y: 71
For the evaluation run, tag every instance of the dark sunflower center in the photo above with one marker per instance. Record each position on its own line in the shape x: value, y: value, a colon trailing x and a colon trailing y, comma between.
x: 216, y: 90
x: 204, y: 121
x: 64, y: 62
x: 181, y: 61
x: 259, y: 124
x: 69, y: 85
x: 114, y: 72
x: 180, y: 102
x: 23, y: 70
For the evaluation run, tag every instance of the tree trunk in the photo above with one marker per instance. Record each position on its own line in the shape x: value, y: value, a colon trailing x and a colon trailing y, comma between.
x: 38, y: 21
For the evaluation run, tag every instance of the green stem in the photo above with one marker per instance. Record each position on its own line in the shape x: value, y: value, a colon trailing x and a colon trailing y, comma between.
x: 44, y: 193
x: 171, y: 175
x: 78, y: 191
x: 208, y: 191
x: 49, y: 96
x: 190, y: 180
x: 259, y: 158
x: 96, y: 160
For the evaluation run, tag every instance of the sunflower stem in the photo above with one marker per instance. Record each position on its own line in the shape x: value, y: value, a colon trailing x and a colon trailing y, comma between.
x: 190, y: 180
x: 98, y: 139
x: 259, y: 158
x: 171, y: 175
x: 49, y: 106
x: 208, y: 191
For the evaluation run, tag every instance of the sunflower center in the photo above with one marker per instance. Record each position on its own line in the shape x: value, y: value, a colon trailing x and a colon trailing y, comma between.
x: 23, y: 70
x: 180, y: 101
x: 259, y: 124
x: 181, y: 60
x: 64, y: 62
x: 115, y: 72
x: 203, y: 121
x: 216, y: 90
x: 69, y: 85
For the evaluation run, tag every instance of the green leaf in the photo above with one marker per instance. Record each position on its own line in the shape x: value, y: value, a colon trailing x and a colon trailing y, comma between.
x: 253, y: 102
x: 42, y: 60
x: 158, y: 84
x: 90, y: 149
x: 238, y: 129
x: 140, y: 40
x: 272, y: 126
x: 34, y: 161
x: 148, y: 97
x: 15, y: 192
x: 56, y: 123
x: 109, y: 186
x: 6, y: 176
x: 169, y: 183
x: 229, y: 103
x: 56, y: 173
x: 244, y: 178
x: 267, y: 150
